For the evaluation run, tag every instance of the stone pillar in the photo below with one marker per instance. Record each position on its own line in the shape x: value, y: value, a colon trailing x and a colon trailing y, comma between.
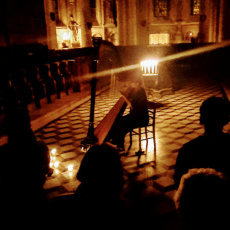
x: 50, y: 25
x: 225, y: 19
x: 132, y: 23
x: 143, y: 21
x: 83, y: 10
x: 208, y: 21
x: 178, y: 34
x: 122, y: 21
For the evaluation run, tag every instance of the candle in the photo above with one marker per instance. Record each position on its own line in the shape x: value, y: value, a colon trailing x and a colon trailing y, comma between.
x: 53, y: 151
x: 56, y: 163
x: 70, y: 168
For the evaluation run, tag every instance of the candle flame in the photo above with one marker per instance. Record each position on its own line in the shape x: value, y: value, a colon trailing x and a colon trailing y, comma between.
x: 56, y: 163
x: 70, y: 168
x: 53, y: 151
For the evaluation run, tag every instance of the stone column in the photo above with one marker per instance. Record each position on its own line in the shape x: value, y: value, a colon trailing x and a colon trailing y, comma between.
x: 85, y: 21
x: 50, y: 25
x: 207, y: 21
x: 143, y: 21
x: 132, y: 23
x: 225, y: 20
x: 122, y: 19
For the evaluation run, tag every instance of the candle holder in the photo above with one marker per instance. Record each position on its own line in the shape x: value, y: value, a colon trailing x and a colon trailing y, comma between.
x: 149, y: 67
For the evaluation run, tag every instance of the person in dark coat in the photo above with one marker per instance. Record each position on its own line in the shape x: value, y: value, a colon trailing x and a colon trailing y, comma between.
x: 136, y: 99
x: 211, y: 150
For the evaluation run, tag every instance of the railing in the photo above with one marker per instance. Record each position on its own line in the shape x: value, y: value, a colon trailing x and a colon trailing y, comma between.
x: 35, y: 76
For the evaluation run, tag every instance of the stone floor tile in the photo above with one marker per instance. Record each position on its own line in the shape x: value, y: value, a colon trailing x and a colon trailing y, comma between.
x: 191, y: 136
x: 51, y: 183
x: 50, y: 141
x: 48, y: 135
x: 65, y: 130
x: 66, y: 141
x: 173, y: 146
x: 65, y: 135
x: 165, y: 181
x: 80, y: 136
x: 71, y: 186
x: 175, y: 135
x: 68, y: 155
x: 165, y: 140
x: 50, y: 129
x: 67, y: 148
x: 185, y: 130
x: 181, y: 141
x: 168, y: 129
x: 64, y: 125
x: 77, y: 126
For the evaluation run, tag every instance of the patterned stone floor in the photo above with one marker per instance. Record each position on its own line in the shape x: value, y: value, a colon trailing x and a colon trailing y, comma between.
x: 177, y: 122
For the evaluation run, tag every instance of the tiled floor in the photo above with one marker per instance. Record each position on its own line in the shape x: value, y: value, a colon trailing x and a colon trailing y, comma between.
x: 177, y: 122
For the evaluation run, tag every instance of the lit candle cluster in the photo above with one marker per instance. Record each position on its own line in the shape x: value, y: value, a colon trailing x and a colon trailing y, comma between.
x: 149, y: 67
x: 54, y: 163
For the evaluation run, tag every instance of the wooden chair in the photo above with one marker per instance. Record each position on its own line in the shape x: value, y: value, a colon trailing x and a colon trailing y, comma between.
x: 150, y: 128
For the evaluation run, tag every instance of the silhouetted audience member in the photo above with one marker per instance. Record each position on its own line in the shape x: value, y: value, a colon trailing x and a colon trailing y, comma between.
x: 137, y: 100
x: 203, y: 199
x: 23, y: 172
x: 96, y: 201
x: 211, y: 150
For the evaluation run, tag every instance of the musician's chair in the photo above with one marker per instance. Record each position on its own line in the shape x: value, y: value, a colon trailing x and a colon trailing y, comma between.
x: 149, y: 129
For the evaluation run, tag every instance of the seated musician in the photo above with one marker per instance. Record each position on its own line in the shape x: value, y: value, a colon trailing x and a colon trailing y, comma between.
x: 135, y: 96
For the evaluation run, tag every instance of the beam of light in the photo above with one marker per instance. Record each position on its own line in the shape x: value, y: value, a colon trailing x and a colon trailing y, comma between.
x: 108, y: 72
x: 195, y: 51
x: 183, y: 54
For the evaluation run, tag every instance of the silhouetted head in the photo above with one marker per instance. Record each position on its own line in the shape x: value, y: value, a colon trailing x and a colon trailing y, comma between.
x: 101, y: 167
x: 203, y: 198
x: 214, y: 112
